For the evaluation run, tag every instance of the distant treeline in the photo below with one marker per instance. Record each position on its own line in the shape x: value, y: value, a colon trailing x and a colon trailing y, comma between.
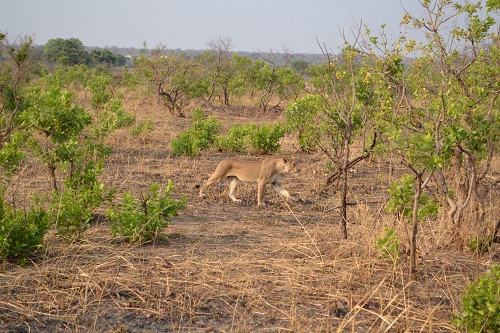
x: 72, y: 52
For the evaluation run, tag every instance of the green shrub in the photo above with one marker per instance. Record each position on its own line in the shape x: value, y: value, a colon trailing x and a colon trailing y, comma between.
x: 302, y: 118
x: 237, y: 139
x: 265, y: 139
x: 401, y: 196
x: 99, y: 85
x: 482, y: 244
x: 71, y: 215
x: 142, y: 127
x: 21, y: 233
x: 184, y: 144
x: 481, y: 304
x: 388, y: 245
x: 116, y: 115
x: 110, y: 118
x: 204, y: 132
x: 130, y: 80
x: 142, y: 220
x: 11, y: 154
x: 401, y: 199
x: 73, y: 208
x: 200, y: 136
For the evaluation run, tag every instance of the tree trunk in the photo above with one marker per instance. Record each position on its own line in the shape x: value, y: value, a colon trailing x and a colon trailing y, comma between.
x: 495, y: 229
x: 52, y: 170
x: 413, y: 240
x: 226, y: 96
x: 345, y: 167
x: 343, y: 205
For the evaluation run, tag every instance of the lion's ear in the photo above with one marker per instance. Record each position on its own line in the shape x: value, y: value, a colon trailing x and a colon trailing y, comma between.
x: 285, y: 160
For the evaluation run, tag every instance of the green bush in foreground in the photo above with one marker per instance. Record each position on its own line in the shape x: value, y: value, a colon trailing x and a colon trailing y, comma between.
x: 388, y: 245
x: 481, y: 304
x: 73, y: 208
x: 142, y: 220
x: 21, y: 233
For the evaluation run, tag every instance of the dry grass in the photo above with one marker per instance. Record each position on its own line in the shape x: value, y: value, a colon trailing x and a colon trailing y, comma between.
x: 239, y: 268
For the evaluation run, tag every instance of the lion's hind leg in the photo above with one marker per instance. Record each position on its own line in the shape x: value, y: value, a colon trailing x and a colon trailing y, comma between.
x: 208, y: 182
x: 233, y: 183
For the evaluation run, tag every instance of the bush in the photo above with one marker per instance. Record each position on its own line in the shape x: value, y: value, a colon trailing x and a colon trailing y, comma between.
x: 401, y: 199
x: 184, y: 144
x: 116, y: 116
x: 142, y: 127
x: 99, y: 85
x: 205, y: 131
x: 302, y: 118
x: 71, y: 215
x: 237, y: 138
x: 200, y: 136
x: 388, y: 245
x: 203, y: 134
x: 110, y: 118
x: 72, y: 209
x: 481, y: 304
x: 142, y: 221
x: 265, y: 139
x: 11, y: 154
x: 481, y: 245
x: 21, y: 234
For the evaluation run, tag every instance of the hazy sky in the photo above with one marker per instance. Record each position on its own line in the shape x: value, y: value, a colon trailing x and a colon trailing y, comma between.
x: 252, y: 25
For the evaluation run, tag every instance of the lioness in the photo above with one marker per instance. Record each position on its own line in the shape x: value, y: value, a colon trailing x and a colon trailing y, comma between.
x: 267, y: 171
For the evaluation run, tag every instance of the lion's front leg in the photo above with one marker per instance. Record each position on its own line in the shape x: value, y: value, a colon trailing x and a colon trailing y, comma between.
x: 282, y: 190
x: 260, y: 193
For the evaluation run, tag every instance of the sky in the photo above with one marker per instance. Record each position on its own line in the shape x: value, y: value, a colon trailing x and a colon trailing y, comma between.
x: 251, y: 25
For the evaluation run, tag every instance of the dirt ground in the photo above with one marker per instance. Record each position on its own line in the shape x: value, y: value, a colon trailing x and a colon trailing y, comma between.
x: 230, y: 267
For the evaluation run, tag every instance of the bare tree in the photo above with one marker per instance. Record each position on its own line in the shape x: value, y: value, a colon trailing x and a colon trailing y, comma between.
x: 173, y: 77
x: 223, y: 67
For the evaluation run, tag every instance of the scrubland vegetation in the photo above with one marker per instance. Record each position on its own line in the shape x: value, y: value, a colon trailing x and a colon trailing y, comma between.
x: 394, y: 222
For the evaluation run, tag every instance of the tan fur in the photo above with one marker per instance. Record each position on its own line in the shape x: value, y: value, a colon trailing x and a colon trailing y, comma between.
x: 267, y: 171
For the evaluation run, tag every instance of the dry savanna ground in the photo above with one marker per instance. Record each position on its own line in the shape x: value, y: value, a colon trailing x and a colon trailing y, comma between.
x: 230, y: 267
